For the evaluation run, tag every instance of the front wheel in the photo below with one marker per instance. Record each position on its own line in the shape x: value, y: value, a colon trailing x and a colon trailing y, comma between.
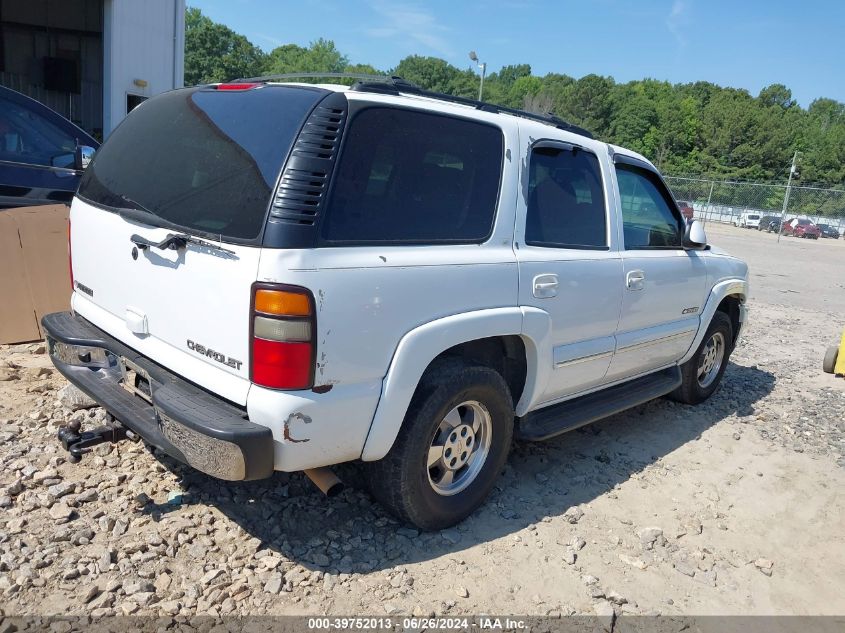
x: 702, y: 373
x: 451, y: 447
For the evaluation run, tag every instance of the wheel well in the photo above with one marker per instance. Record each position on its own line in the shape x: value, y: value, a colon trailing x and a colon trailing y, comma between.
x: 505, y: 354
x: 730, y: 306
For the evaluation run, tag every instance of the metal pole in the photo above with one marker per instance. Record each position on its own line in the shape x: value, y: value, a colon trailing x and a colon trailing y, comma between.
x: 709, y: 197
x: 481, y: 86
x: 786, y: 195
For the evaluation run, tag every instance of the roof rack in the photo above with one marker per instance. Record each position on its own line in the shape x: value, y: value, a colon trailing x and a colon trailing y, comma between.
x: 306, y: 75
x: 398, y: 85
x: 384, y: 84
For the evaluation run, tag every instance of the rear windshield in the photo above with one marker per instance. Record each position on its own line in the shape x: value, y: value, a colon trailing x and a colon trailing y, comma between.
x: 202, y: 159
x: 753, y: 217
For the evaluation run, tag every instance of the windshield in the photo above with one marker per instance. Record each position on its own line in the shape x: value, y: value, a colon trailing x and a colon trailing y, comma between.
x: 203, y: 159
x: 804, y: 222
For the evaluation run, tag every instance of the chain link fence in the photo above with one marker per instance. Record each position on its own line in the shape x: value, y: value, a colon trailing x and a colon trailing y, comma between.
x: 727, y: 201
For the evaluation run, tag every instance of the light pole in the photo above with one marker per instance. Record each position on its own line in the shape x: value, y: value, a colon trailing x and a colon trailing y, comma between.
x: 483, y: 68
x: 792, y: 171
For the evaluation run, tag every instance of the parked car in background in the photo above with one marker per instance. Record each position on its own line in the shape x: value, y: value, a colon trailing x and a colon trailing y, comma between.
x: 42, y: 154
x: 686, y: 209
x: 766, y: 221
x: 801, y: 228
x: 825, y: 230
x: 748, y: 221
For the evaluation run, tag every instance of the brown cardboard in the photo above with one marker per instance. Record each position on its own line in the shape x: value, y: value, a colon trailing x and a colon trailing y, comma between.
x: 34, y: 277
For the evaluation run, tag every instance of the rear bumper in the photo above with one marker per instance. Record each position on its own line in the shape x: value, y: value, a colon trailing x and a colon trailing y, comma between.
x: 186, y: 422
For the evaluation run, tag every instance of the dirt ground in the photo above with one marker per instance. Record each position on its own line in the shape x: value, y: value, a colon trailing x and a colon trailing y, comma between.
x: 731, y: 507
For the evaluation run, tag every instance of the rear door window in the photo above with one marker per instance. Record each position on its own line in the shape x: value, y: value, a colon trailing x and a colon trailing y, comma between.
x: 566, y: 207
x: 203, y: 159
x: 414, y: 177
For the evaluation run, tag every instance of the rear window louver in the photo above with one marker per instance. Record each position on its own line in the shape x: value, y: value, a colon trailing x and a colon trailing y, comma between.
x: 303, y: 186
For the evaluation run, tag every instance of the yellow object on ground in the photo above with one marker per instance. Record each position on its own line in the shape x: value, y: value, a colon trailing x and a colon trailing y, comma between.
x: 839, y: 368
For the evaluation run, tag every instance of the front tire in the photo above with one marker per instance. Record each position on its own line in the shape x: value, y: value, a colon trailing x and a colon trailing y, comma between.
x: 702, y: 373
x: 451, y: 447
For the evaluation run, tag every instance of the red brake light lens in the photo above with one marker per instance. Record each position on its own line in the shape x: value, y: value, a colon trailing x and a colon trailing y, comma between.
x: 283, y: 346
x: 281, y: 365
x: 240, y: 86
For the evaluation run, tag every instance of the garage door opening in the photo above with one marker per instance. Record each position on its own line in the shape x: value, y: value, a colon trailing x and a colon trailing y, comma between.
x: 52, y: 51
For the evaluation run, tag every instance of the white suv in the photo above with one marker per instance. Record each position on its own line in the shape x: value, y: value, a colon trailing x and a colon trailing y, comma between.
x: 280, y: 276
x: 748, y: 220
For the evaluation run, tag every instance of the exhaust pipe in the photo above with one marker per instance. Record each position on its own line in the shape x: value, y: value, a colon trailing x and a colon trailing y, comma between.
x: 325, y: 479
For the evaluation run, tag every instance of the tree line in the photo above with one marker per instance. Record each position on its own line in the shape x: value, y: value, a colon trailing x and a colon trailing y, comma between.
x: 696, y: 128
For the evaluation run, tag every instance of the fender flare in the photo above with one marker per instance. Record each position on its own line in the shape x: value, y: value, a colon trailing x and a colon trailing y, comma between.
x: 423, y: 344
x: 721, y: 290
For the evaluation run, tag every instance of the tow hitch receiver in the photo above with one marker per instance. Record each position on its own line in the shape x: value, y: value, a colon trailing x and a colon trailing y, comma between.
x: 78, y: 442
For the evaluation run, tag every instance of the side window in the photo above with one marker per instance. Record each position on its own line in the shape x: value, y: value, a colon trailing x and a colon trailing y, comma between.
x: 648, y: 214
x: 416, y: 178
x: 27, y: 137
x: 566, y: 207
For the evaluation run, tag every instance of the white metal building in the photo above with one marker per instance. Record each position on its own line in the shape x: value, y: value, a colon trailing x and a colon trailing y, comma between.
x: 92, y: 60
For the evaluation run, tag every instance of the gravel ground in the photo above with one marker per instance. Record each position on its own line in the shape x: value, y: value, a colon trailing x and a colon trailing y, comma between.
x: 731, y: 507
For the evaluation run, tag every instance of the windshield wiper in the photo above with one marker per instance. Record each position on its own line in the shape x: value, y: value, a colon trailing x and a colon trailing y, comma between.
x: 177, y: 241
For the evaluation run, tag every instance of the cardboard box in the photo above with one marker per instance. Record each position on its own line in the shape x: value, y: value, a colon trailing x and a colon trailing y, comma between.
x: 34, y: 274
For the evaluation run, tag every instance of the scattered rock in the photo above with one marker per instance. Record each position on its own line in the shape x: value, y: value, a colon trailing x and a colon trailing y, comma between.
x: 573, y: 514
x: 685, y: 568
x: 60, y: 512
x: 74, y: 399
x: 764, y: 565
x: 462, y: 592
x: 633, y: 561
x: 274, y: 585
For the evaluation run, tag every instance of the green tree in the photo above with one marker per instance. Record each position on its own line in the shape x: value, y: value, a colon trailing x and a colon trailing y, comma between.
x: 321, y: 56
x: 214, y: 52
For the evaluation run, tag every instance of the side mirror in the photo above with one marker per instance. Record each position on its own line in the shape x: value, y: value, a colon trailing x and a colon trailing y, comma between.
x: 694, y: 236
x: 83, y: 156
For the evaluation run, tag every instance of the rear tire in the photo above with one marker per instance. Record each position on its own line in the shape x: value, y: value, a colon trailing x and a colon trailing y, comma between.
x: 451, y: 447
x: 702, y: 373
x: 830, y: 356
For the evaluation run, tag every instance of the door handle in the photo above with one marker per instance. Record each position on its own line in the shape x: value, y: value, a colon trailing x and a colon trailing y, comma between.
x: 545, y: 286
x: 635, y: 280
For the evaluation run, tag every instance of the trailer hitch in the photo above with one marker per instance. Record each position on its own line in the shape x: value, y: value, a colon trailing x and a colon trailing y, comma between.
x: 78, y: 442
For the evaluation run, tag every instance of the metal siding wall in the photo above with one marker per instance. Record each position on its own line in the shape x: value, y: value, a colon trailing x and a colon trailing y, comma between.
x: 143, y: 40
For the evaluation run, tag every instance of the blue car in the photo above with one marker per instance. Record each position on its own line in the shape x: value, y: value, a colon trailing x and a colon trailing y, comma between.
x: 42, y: 154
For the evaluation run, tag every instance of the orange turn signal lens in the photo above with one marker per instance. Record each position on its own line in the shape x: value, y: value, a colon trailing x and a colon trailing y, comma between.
x: 282, y: 303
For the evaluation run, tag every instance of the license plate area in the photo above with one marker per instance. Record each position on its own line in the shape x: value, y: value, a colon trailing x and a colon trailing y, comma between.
x: 135, y: 380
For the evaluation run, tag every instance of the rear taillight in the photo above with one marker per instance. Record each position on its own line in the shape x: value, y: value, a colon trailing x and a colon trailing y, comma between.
x: 69, y: 256
x: 283, y: 330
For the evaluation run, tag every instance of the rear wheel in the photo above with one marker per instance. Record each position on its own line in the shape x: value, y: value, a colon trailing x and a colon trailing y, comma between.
x: 451, y: 448
x: 702, y: 373
x: 830, y: 356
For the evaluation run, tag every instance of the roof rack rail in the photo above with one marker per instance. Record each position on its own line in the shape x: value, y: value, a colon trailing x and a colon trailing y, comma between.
x: 308, y: 75
x: 386, y: 84
x: 397, y: 85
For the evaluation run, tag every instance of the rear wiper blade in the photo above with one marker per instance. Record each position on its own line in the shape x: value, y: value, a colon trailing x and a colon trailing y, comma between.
x: 177, y: 241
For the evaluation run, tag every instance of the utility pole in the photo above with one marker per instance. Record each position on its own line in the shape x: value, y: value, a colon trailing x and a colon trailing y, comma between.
x: 483, y: 68
x: 792, y: 172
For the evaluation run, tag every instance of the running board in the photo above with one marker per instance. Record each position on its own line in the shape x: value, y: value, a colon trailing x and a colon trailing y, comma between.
x: 565, y: 416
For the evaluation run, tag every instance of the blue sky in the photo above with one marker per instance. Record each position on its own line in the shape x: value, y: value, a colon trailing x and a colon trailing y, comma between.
x: 740, y: 43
